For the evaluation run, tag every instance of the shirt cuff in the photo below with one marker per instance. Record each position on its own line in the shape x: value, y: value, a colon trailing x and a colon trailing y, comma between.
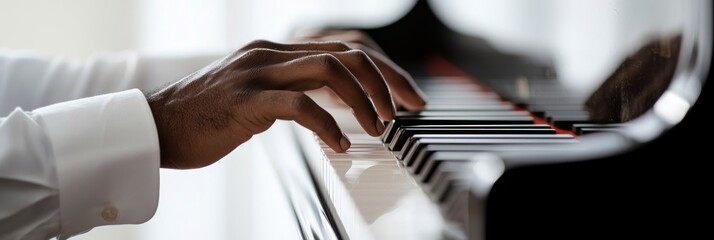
x: 106, y: 150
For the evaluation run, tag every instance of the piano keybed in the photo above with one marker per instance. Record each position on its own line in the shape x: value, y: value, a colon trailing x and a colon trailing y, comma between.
x: 429, y: 154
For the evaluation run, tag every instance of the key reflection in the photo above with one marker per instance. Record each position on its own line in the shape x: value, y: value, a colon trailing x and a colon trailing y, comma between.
x: 373, y: 180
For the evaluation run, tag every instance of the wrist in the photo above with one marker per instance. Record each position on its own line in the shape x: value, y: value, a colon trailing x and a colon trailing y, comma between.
x: 157, y: 101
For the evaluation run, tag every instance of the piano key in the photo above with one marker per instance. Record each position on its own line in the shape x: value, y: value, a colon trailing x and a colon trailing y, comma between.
x: 418, y: 156
x: 425, y: 153
x: 409, y: 144
x: 568, y: 112
x: 444, y: 178
x: 584, y: 131
x: 408, y: 121
x: 523, y: 126
x: 577, y: 127
x: 469, y: 96
x: 434, y: 160
x: 464, y: 100
x: 566, y: 122
x: 468, y: 107
x: 419, y: 144
x: 401, y: 136
x: 440, y: 157
x: 459, y: 113
x: 559, y: 114
x: 391, y: 132
x: 545, y: 102
x: 463, y: 96
x: 555, y: 107
x: 551, y: 117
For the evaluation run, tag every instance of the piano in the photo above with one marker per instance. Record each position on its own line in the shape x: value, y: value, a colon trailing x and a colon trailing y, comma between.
x: 504, y: 151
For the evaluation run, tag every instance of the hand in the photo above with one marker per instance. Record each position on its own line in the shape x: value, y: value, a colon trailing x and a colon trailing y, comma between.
x: 204, y: 116
x: 350, y: 36
x: 406, y: 93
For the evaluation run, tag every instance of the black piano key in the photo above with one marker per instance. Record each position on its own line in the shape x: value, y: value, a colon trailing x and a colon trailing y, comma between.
x: 455, y: 99
x: 456, y: 193
x: 477, y: 120
x: 551, y: 118
x: 577, y: 127
x: 410, y: 162
x: 457, y: 113
x: 402, y: 134
x: 417, y: 156
x: 522, y: 126
x: 446, y: 176
x: 449, y: 83
x: 467, y: 96
x: 425, y: 153
x: 437, y: 158
x: 560, y: 114
x: 409, y: 145
x: 400, y: 138
x: 535, y: 109
x: 566, y: 122
x: 468, y: 107
x: 584, y: 131
x: 562, y: 109
x: 390, y: 131
x: 460, y: 113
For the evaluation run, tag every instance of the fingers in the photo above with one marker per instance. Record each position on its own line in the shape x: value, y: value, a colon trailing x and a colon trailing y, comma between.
x: 357, y: 62
x: 351, y: 36
x: 371, y: 79
x: 326, y: 69
x: 334, y: 46
x: 403, y: 87
x: 405, y: 90
x: 300, y: 108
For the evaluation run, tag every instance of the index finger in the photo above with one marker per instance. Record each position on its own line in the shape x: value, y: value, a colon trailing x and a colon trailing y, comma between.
x: 319, y: 70
x: 405, y: 90
x: 302, y: 109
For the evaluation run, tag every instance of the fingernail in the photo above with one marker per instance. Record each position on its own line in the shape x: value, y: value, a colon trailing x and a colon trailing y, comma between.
x: 380, y: 126
x: 345, y: 143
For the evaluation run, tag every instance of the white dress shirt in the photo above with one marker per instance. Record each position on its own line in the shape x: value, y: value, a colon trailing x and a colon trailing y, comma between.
x: 80, y: 162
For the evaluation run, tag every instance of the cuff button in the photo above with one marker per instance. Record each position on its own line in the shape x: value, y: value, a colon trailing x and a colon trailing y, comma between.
x: 110, y: 213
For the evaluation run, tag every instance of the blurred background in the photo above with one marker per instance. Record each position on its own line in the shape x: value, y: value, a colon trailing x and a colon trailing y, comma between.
x: 239, y: 197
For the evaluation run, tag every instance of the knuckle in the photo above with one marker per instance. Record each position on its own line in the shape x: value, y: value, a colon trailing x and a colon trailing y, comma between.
x: 260, y: 43
x: 360, y: 56
x: 329, y: 62
x: 340, y: 46
x: 300, y: 102
x: 256, y: 54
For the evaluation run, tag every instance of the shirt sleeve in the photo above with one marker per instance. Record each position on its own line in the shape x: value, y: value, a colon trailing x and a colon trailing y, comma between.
x: 30, y: 81
x: 77, y: 165
x: 83, y: 162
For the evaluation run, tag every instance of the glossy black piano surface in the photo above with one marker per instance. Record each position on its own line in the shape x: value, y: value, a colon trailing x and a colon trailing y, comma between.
x: 640, y: 176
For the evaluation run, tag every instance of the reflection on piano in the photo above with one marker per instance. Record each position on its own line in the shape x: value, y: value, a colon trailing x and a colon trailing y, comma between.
x: 503, y: 151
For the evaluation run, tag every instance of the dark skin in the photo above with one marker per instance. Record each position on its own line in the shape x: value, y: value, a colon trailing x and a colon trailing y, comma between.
x: 207, y: 114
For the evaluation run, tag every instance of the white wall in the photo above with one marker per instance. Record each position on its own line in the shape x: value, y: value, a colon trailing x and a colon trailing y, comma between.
x: 69, y: 27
